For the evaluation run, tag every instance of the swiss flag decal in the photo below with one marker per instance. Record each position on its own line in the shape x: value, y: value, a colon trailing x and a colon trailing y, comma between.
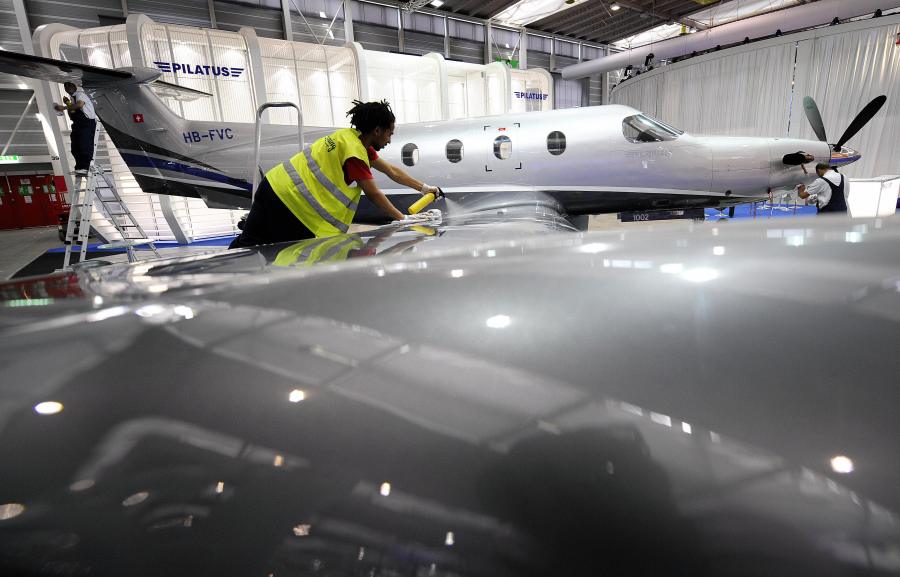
x: 138, y: 117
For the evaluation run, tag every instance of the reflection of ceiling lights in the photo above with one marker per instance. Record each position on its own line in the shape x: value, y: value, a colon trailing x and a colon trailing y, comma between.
x: 842, y: 464
x: 526, y: 11
x: 437, y: 3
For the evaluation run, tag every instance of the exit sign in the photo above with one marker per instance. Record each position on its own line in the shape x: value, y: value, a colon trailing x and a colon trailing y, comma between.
x: 9, y: 158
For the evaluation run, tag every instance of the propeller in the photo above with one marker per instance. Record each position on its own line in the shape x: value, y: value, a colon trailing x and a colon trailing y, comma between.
x: 864, y: 116
x: 815, y: 119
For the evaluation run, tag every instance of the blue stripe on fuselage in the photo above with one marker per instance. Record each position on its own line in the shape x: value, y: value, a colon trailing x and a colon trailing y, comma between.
x: 147, y: 161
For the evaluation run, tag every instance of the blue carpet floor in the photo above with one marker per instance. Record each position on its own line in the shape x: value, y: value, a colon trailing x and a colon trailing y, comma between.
x: 220, y: 241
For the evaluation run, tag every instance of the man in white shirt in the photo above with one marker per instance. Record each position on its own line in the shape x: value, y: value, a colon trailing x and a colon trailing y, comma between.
x: 828, y: 192
x: 84, y: 125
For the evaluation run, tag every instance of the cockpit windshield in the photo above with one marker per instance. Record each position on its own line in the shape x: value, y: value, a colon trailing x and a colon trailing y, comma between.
x: 640, y: 128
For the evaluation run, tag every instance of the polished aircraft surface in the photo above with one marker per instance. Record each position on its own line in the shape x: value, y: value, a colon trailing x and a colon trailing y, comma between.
x: 715, y: 399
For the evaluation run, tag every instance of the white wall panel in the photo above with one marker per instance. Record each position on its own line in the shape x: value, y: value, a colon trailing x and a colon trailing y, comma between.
x: 410, y: 83
x: 534, y: 88
x: 849, y: 70
x: 757, y: 89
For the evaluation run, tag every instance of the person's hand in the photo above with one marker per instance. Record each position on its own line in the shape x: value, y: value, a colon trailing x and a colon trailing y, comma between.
x: 427, y: 188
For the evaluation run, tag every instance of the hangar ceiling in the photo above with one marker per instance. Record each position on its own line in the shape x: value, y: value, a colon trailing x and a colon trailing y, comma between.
x: 593, y: 20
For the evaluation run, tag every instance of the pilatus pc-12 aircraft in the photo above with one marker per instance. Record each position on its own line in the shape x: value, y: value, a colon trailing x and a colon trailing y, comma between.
x: 589, y: 160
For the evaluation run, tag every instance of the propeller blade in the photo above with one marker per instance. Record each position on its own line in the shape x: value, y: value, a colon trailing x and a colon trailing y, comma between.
x: 815, y: 119
x: 864, y: 116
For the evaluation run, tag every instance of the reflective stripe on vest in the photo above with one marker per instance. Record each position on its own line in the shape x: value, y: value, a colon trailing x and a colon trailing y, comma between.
x: 309, y: 252
x: 311, y: 184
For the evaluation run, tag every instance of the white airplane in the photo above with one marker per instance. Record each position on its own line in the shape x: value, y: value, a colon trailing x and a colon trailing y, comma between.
x: 589, y: 160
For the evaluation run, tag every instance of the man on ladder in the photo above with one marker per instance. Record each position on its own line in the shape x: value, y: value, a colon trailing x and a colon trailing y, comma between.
x: 91, y: 183
x: 84, y: 126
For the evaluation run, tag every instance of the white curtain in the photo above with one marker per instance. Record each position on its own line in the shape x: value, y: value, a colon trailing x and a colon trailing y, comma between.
x: 756, y: 90
x: 846, y: 72
x: 743, y: 94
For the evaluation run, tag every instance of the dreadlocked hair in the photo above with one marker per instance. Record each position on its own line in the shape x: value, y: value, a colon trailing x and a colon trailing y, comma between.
x: 367, y: 116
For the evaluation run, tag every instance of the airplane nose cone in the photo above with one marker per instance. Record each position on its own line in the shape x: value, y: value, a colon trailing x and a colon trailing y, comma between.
x: 845, y: 155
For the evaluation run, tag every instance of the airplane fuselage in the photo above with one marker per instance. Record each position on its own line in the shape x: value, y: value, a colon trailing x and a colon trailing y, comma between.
x: 591, y: 160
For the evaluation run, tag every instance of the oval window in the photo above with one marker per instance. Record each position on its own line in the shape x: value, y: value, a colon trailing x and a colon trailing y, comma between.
x: 409, y: 154
x: 556, y: 143
x: 454, y: 150
x: 502, y: 147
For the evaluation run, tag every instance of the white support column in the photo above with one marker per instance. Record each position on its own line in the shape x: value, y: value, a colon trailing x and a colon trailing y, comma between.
x: 212, y: 13
x: 43, y: 94
x: 124, y: 8
x: 523, y: 50
x: 348, y: 22
x: 257, y: 76
x: 445, y: 88
x: 286, y: 20
x: 552, y: 53
x: 133, y: 26
x: 362, y: 71
x: 488, y: 46
x: 400, y: 43
x: 446, y: 37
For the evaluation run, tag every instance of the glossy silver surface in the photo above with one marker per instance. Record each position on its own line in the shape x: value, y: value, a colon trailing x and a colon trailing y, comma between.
x: 490, y: 402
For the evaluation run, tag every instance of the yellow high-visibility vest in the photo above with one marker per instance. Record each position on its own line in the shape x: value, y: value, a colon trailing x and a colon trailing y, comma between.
x: 311, y: 251
x: 311, y: 184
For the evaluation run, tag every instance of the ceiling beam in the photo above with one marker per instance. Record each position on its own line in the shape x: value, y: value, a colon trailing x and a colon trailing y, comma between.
x: 663, y: 15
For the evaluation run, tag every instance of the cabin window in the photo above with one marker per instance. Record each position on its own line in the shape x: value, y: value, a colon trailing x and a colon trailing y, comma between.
x: 502, y: 147
x: 409, y: 154
x: 454, y: 150
x: 556, y: 143
x: 641, y: 128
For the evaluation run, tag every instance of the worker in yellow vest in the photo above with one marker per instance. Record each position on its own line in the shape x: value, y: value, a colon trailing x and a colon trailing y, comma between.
x: 316, y: 192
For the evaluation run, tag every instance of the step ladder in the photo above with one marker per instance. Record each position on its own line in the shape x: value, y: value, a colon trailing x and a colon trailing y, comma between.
x: 97, y: 185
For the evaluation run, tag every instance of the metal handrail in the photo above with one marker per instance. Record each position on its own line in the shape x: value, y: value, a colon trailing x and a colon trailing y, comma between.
x: 262, y: 108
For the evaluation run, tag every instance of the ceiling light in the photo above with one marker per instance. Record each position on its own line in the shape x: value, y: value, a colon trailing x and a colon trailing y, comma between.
x: 322, y: 15
x: 614, y: 7
x: 437, y: 3
x: 296, y: 396
x: 385, y: 489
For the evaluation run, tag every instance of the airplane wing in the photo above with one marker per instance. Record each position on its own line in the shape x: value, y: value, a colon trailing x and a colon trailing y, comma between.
x: 58, y: 70
x: 169, y: 90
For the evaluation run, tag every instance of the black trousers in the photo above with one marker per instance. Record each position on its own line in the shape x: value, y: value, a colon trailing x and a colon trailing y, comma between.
x: 83, y: 142
x: 270, y: 221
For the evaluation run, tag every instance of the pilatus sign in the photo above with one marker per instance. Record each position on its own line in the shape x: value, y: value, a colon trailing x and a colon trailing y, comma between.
x: 532, y: 95
x: 199, y: 69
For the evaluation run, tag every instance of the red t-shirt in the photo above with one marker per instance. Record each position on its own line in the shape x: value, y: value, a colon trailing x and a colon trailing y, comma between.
x: 356, y: 170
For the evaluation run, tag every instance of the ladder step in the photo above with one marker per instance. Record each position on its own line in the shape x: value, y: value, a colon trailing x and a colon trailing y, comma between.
x: 127, y: 243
